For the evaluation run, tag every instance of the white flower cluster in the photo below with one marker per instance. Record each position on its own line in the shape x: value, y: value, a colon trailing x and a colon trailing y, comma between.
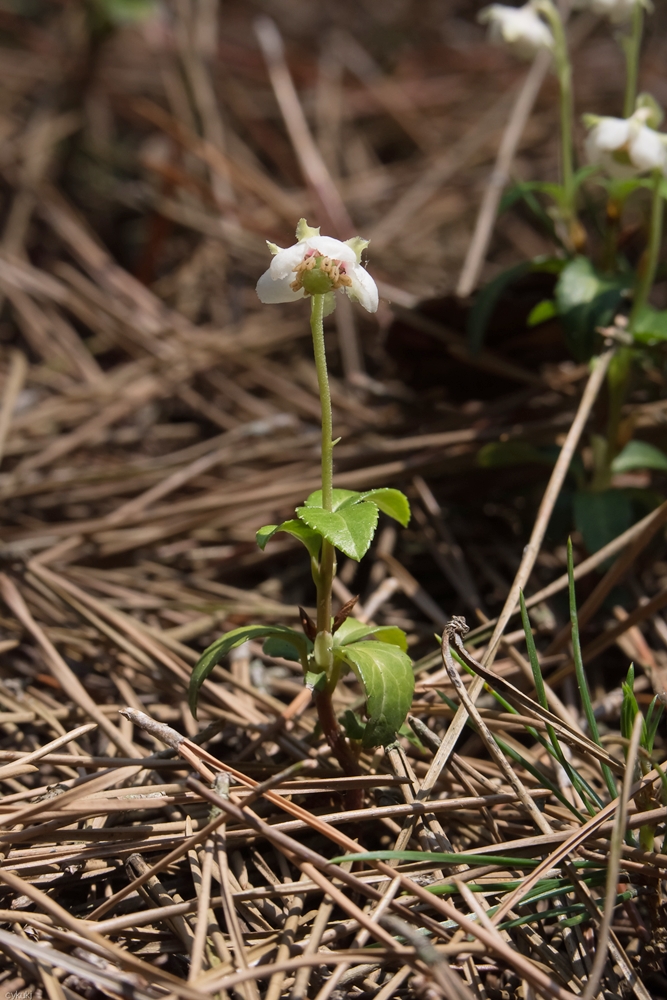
x: 625, y: 147
x: 318, y: 265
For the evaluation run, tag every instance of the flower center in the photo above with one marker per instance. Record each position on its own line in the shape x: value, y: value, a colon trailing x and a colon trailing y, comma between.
x: 318, y: 275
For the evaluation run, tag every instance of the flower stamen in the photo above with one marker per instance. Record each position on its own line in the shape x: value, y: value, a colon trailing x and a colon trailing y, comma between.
x: 333, y: 269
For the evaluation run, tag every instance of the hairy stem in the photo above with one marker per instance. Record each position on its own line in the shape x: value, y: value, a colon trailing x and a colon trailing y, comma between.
x: 327, y: 566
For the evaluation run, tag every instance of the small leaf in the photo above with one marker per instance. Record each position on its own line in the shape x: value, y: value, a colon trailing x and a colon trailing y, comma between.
x: 315, y: 681
x: 353, y: 725
x: 215, y: 652
x: 585, y: 301
x: 354, y: 631
x: 340, y: 498
x: 601, y: 517
x: 385, y: 672
x: 391, y: 502
x: 650, y: 326
x: 311, y: 539
x: 273, y: 646
x: 639, y: 455
x: 544, y: 310
x: 350, y: 529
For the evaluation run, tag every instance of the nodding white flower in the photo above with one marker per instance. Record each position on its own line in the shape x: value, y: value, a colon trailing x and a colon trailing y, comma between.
x: 618, y: 11
x: 318, y: 265
x: 625, y: 147
x: 519, y: 27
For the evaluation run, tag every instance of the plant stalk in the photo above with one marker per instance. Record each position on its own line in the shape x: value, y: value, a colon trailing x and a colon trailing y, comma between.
x: 564, y: 73
x: 323, y: 653
x: 649, y: 263
x: 632, y: 46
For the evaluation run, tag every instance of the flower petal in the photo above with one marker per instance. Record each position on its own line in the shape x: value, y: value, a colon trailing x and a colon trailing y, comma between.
x: 271, y: 290
x: 647, y: 150
x: 285, y: 261
x: 363, y: 290
x: 329, y: 247
x: 611, y: 133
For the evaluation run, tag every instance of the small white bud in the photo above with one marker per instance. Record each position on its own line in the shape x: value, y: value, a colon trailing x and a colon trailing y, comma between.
x: 519, y: 27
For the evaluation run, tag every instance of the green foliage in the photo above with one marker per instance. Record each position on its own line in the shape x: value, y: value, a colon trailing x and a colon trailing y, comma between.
x: 649, y: 326
x: 630, y: 709
x: 215, y: 652
x: 487, y: 297
x: 601, y: 516
x: 543, y: 311
x: 311, y: 539
x: 354, y: 631
x: 350, y: 529
x: 586, y: 300
x: 639, y: 455
x: 385, y: 672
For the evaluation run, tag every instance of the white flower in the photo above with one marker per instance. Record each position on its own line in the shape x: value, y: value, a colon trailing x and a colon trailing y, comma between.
x: 618, y: 11
x: 321, y: 263
x: 625, y: 147
x: 519, y: 27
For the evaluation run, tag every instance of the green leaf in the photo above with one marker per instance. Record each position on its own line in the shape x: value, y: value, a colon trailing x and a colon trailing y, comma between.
x: 215, y: 652
x: 639, y: 455
x: 391, y: 502
x: 354, y: 727
x: 439, y: 857
x: 586, y: 300
x: 544, y: 310
x: 601, y: 517
x: 650, y: 326
x: 354, y: 631
x: 340, y: 498
x: 274, y: 646
x: 385, y: 672
x: 311, y: 539
x: 315, y: 681
x: 486, y: 299
x: 349, y: 529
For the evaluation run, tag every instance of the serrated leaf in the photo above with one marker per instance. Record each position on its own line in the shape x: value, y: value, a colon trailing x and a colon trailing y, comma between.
x: 349, y: 529
x: 340, y: 498
x: 586, y: 300
x: 544, y: 310
x: 297, y: 529
x: 601, y: 517
x: 639, y: 455
x: 385, y: 672
x: 353, y: 630
x: 215, y: 652
x: 650, y: 326
x: 391, y: 502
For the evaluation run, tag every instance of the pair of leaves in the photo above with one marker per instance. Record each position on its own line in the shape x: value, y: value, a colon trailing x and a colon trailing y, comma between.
x: 349, y: 526
x: 376, y: 654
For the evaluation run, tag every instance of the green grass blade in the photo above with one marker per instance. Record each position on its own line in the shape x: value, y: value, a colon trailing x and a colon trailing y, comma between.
x: 582, y: 683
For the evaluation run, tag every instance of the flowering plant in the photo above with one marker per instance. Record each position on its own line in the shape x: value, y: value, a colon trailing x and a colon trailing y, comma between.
x: 601, y: 293
x: 330, y: 520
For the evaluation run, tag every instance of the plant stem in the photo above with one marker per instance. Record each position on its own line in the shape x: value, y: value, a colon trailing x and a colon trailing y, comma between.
x: 649, y: 262
x: 327, y: 567
x: 632, y: 45
x: 564, y: 72
x: 323, y: 653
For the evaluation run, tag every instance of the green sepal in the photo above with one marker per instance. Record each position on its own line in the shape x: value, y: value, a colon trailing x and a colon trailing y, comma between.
x: 215, y: 652
x: 304, y: 231
x: 385, y: 672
